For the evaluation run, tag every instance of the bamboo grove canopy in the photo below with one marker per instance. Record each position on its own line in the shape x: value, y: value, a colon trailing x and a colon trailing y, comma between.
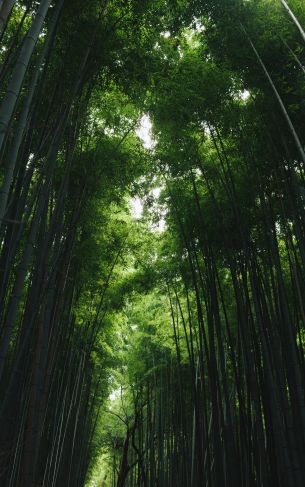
x: 152, y: 243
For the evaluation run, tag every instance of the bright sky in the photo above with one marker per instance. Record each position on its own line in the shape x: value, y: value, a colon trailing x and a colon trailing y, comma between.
x: 137, y: 207
x: 137, y: 210
x: 114, y: 394
x: 144, y: 132
x: 244, y: 95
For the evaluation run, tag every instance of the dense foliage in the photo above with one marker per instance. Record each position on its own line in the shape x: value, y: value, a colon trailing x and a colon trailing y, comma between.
x: 166, y: 349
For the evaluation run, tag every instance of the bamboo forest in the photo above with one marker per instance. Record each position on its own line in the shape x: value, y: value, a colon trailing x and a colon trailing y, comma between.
x: 152, y: 243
